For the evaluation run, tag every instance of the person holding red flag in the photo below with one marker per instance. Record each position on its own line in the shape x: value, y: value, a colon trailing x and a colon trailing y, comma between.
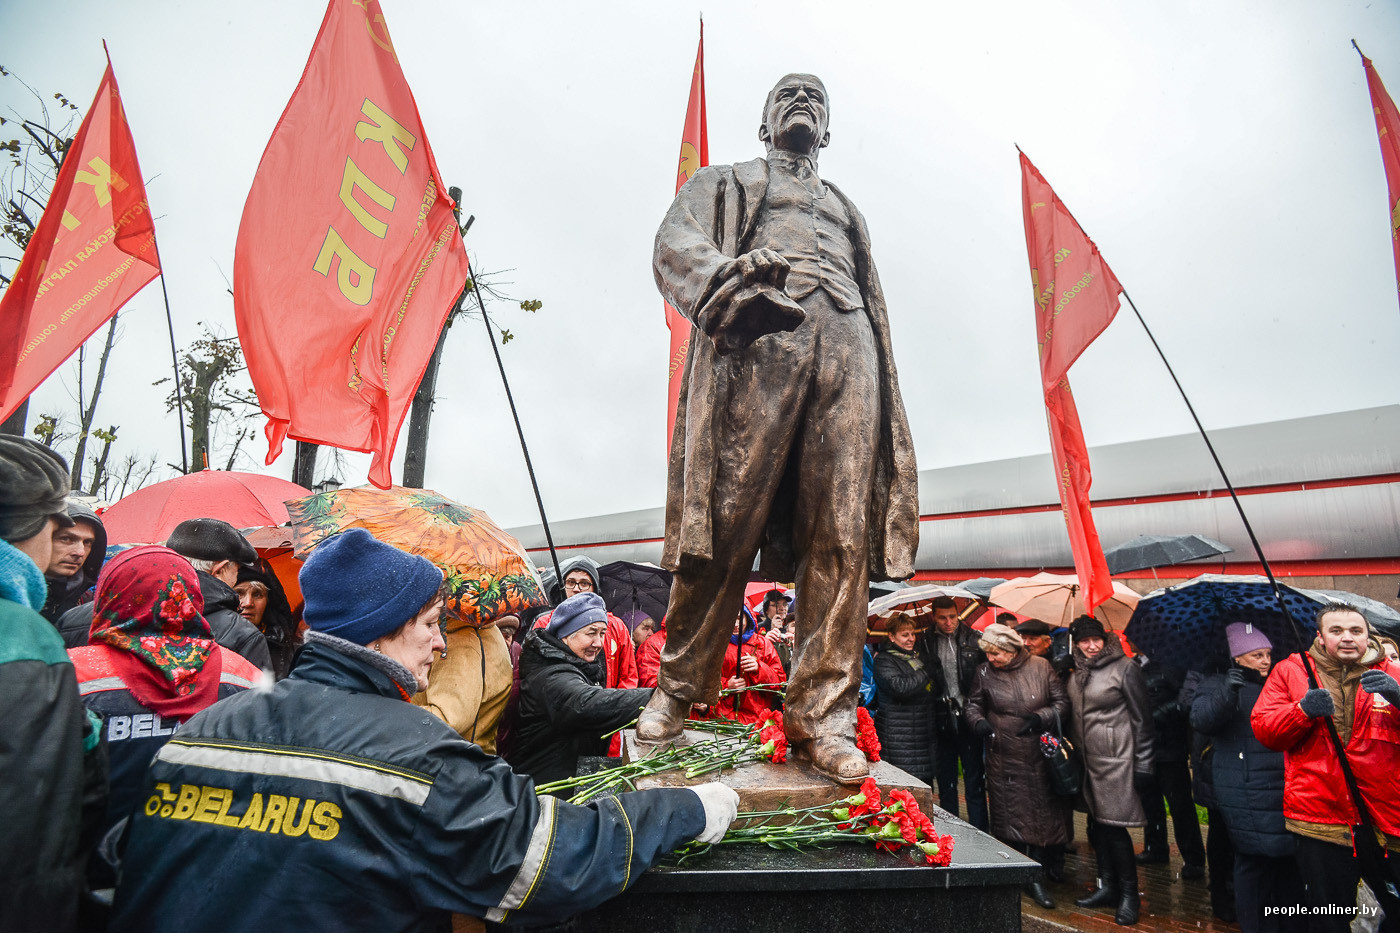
x: 1076, y: 298
x: 341, y: 287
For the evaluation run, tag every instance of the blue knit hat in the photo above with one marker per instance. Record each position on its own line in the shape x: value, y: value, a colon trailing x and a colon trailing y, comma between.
x: 361, y: 589
x: 576, y: 612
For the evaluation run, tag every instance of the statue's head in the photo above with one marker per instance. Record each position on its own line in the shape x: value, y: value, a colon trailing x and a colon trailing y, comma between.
x: 795, y: 115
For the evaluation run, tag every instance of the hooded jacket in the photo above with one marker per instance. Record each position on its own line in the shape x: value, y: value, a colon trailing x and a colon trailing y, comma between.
x: 230, y: 629
x: 351, y: 809
x: 1111, y: 724
x: 54, y: 766
x: 564, y: 709
x: 65, y: 592
x: 752, y: 705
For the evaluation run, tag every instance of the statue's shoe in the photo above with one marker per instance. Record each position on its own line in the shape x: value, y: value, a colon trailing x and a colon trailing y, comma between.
x: 836, y: 758
x: 663, y: 719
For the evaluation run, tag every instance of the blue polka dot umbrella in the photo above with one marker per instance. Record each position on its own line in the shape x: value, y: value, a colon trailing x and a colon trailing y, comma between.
x: 1185, y: 624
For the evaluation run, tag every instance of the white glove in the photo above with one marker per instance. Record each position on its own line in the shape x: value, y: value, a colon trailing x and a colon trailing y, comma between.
x: 721, y: 807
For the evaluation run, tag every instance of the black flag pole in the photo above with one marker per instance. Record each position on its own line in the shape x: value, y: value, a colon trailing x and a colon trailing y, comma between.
x: 175, y: 362
x: 1369, y: 852
x: 514, y: 413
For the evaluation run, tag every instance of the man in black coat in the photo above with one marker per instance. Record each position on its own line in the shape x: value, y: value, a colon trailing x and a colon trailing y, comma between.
x: 950, y: 651
x: 1173, y: 776
x: 78, y: 554
x: 216, y: 550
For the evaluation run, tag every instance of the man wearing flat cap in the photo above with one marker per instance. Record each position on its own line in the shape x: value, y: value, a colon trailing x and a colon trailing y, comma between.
x: 216, y: 549
x: 51, y: 758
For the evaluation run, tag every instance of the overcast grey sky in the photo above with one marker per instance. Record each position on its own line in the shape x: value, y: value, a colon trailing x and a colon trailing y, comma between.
x: 1222, y: 155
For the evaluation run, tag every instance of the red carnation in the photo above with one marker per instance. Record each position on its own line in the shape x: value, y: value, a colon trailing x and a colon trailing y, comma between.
x: 866, y: 739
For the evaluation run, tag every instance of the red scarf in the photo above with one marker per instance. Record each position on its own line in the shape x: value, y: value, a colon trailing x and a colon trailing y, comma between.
x: 149, y: 606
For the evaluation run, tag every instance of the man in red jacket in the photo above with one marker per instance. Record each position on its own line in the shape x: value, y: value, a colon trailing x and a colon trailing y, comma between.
x: 1359, y: 692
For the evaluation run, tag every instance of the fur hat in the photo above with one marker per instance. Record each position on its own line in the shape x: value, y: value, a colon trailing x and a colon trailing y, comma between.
x: 33, y: 488
x: 1000, y: 637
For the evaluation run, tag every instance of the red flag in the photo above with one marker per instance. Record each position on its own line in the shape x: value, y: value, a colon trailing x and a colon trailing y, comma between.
x: 695, y: 154
x: 1076, y: 297
x: 1387, y: 125
x: 93, y: 248
x: 348, y: 258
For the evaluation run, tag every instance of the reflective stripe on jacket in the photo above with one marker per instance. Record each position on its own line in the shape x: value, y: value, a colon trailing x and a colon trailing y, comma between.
x: 329, y: 803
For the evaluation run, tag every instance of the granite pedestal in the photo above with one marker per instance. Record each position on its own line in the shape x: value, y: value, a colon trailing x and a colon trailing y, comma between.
x: 847, y: 888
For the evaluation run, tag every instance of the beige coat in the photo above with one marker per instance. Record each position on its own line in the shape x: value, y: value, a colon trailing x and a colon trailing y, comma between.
x: 469, y: 688
x: 1111, y: 725
x: 710, y: 223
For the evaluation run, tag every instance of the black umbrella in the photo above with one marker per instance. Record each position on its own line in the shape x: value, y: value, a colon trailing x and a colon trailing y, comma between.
x: 886, y: 587
x: 626, y: 586
x: 1146, y: 551
x: 981, y: 587
x: 1185, y: 624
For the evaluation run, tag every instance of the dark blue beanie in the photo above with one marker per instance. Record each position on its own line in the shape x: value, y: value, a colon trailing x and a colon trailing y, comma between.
x: 361, y: 589
x: 576, y: 612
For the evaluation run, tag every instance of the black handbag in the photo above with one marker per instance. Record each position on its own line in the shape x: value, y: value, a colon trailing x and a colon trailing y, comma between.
x: 1065, y: 764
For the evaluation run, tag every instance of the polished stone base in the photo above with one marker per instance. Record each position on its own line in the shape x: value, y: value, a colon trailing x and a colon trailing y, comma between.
x: 767, y: 786
x: 847, y: 888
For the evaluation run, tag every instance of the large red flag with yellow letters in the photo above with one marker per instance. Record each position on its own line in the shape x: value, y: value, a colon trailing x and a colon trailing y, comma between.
x: 93, y: 248
x: 1076, y: 297
x: 1387, y: 126
x: 695, y: 154
x: 348, y: 258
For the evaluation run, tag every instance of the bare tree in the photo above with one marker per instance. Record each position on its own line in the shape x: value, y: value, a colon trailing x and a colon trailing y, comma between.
x: 215, y: 399
x: 87, y: 410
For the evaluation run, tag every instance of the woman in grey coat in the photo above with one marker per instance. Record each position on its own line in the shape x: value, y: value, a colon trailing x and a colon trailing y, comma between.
x: 1112, y: 727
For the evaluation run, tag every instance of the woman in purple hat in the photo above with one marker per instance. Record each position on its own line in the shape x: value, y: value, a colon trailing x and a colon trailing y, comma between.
x: 1248, y: 782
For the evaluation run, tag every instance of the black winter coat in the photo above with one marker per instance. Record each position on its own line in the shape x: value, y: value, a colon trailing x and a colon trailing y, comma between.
x: 1169, y: 715
x: 1024, y: 808
x: 969, y: 658
x: 904, y: 720
x: 1248, y: 777
x: 230, y: 629
x: 564, y: 709
x: 328, y: 803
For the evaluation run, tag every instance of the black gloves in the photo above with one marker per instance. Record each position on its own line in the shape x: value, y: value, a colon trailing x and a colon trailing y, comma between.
x: 1235, y: 679
x: 982, y: 728
x: 1144, y: 782
x: 1381, y: 684
x: 1030, y: 725
x: 1318, y: 703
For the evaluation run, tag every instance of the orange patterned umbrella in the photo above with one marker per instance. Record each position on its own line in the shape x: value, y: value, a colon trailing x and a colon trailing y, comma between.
x: 487, y: 572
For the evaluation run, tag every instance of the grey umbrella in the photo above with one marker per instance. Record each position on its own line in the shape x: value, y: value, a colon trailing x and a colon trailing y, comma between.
x: 1160, y: 551
x: 982, y: 586
x: 1380, y: 616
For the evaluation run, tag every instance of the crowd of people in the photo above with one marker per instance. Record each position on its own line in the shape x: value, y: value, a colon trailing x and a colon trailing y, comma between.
x: 175, y: 718
x: 1246, y: 740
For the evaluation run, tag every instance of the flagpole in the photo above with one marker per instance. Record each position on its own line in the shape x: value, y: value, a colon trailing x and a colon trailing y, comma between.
x: 529, y: 467
x: 1336, y: 741
x: 175, y: 362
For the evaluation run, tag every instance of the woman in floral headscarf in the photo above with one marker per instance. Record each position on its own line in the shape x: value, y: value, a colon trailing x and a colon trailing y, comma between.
x: 151, y: 663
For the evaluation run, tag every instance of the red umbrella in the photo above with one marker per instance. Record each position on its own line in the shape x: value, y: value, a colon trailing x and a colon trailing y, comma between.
x: 244, y: 500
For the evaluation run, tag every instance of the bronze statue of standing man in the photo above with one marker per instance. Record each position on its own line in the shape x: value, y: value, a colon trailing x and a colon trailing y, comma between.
x: 790, y: 432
